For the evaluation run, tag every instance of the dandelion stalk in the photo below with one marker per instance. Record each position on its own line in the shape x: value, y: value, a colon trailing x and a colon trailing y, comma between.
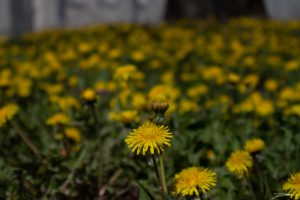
x: 94, y: 114
x: 71, y: 175
x: 251, y: 189
x: 26, y: 141
x: 164, y: 197
x: 30, y: 145
x: 162, y: 174
x: 99, y: 155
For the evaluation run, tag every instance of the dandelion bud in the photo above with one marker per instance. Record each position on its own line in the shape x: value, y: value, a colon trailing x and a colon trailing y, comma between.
x: 159, y: 107
x: 89, y: 95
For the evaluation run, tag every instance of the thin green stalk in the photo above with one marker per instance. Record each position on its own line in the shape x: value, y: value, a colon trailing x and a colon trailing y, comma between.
x: 100, y: 146
x: 71, y: 175
x: 97, y: 122
x: 164, y: 197
x: 251, y: 189
x: 162, y: 174
x: 261, y: 177
x: 28, y: 142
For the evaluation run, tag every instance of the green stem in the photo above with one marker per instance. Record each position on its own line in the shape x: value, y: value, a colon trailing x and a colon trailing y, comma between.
x: 29, y: 144
x: 162, y: 174
x: 158, y: 178
x: 251, y: 189
x: 94, y: 113
x: 71, y: 175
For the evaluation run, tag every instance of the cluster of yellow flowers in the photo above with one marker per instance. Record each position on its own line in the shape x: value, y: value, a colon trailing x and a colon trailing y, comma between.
x: 152, y: 138
x: 103, y: 75
x: 240, y: 161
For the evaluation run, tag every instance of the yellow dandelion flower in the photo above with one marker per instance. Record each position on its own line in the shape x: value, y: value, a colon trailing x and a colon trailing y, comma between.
x: 233, y: 77
x: 149, y: 136
x: 89, y: 95
x: 254, y: 145
x: 58, y: 118
x: 7, y: 112
x: 73, y: 134
x: 186, y: 105
x: 124, y: 73
x: 239, y: 163
x: 264, y: 108
x: 65, y: 102
x: 292, y: 65
x: 194, y: 181
x: 139, y: 101
x: 125, y: 116
x: 138, y: 56
x: 128, y: 116
x: 292, y: 186
x: 163, y: 93
x: 197, y: 91
x: 271, y: 85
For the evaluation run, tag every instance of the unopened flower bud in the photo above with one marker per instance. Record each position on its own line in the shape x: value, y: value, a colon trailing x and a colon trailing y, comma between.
x: 159, y: 107
x: 89, y: 95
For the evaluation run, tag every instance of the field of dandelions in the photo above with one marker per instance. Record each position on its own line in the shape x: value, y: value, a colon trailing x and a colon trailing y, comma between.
x: 191, y: 110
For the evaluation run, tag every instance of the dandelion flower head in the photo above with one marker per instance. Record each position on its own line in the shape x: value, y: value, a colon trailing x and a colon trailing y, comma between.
x: 194, y: 181
x: 124, y: 73
x: 73, y: 134
x: 254, y: 145
x: 239, y: 163
x: 58, y: 118
x: 149, y: 136
x: 292, y: 186
x: 89, y: 95
x: 7, y: 112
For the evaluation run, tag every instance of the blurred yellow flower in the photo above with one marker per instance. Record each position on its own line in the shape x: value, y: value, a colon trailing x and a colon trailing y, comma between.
x: 271, y: 85
x: 65, y: 102
x: 124, y: 73
x: 52, y: 89
x: 264, y: 108
x: 73, y: 134
x: 150, y: 137
x: 128, y: 116
x: 292, y: 186
x: 293, y: 110
x: 7, y: 112
x: 73, y: 81
x: 292, y: 65
x: 233, y: 77
x: 58, y: 118
x: 188, y: 106
x: 125, y: 116
x: 194, y: 181
x: 254, y: 145
x: 251, y: 80
x: 105, y: 86
x: 5, y: 78
x: 84, y: 47
x: 139, y: 101
x: 21, y: 86
x: 89, y: 95
x: 239, y: 163
x: 138, y: 56
x: 163, y: 93
x: 197, y: 91
x: 286, y: 93
x: 214, y: 73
